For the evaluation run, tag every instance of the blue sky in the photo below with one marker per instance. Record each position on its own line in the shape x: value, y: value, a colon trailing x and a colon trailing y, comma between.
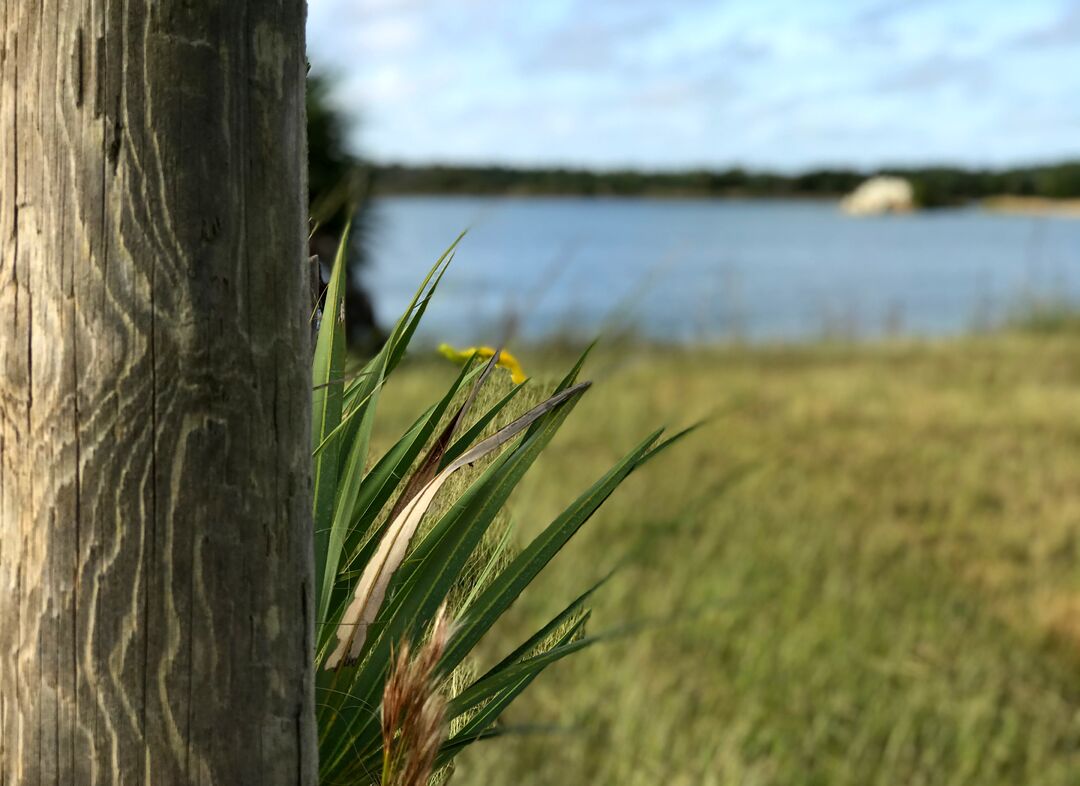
x: 785, y: 84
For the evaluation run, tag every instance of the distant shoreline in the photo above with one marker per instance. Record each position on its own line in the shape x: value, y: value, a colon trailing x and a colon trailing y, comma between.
x: 1003, y: 204
x: 660, y: 197
x: 1033, y: 206
x: 932, y: 186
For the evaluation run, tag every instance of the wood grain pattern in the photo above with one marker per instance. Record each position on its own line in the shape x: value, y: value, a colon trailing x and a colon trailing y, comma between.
x: 155, y: 548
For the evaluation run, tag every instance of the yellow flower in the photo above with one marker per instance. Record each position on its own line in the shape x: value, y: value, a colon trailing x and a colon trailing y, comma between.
x: 506, y: 360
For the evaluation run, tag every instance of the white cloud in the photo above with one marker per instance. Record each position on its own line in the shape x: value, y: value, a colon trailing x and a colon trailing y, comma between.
x: 655, y: 83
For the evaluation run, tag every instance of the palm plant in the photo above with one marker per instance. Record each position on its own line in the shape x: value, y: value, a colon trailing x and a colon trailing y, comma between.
x: 388, y: 561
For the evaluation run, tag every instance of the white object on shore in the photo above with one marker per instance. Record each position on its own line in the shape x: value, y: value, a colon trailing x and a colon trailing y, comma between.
x: 879, y: 195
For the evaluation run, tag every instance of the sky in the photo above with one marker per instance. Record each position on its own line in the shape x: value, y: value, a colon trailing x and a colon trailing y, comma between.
x: 674, y: 84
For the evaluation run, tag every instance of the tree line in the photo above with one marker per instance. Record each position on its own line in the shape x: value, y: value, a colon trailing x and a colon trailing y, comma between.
x: 934, y: 186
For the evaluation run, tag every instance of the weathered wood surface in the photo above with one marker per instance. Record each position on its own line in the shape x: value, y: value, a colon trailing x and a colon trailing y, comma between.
x: 155, y: 553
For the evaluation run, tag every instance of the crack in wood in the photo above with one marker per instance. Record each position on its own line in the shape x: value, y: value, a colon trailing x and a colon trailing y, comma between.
x: 78, y: 76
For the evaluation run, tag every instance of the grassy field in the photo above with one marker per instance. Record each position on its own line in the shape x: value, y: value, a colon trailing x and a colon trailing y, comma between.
x: 873, y: 552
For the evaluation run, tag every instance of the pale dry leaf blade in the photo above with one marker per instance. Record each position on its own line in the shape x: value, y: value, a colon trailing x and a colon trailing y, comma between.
x: 508, y: 432
x: 374, y: 581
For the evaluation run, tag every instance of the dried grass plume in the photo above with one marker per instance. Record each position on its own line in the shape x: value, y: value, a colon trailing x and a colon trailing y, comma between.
x: 414, y: 709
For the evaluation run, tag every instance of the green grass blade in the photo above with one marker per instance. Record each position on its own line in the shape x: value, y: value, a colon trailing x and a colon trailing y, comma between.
x: 352, y: 451
x: 358, y: 396
x: 328, y: 366
x: 542, y: 635
x: 494, y: 600
x: 489, y: 713
x: 348, y: 489
x: 350, y: 411
x: 487, y: 688
x: 418, y: 309
x: 572, y: 374
x: 490, y: 566
x: 667, y: 443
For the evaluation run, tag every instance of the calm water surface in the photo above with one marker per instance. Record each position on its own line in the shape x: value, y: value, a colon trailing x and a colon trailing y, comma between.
x: 708, y: 270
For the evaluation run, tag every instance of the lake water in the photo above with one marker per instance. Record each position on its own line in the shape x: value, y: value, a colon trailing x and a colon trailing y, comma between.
x: 714, y: 270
